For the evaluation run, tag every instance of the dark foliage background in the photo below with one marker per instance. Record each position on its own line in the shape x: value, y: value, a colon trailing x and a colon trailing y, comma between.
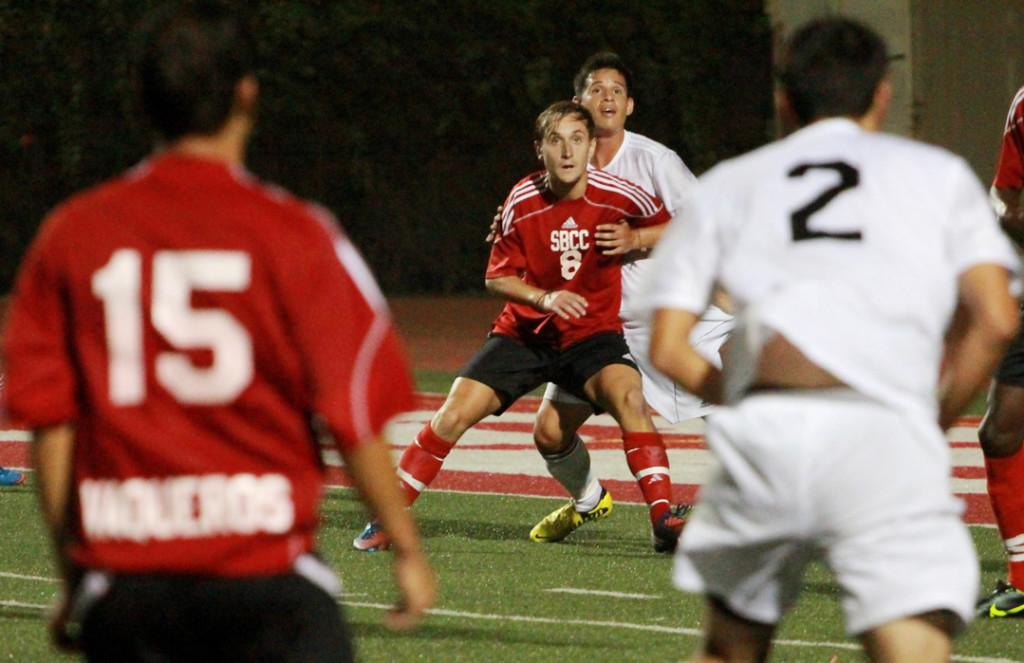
x: 411, y: 120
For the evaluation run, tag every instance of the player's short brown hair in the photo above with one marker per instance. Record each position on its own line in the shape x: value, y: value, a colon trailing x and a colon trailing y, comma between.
x: 602, y: 60
x: 188, y: 61
x: 551, y: 115
x: 831, y: 67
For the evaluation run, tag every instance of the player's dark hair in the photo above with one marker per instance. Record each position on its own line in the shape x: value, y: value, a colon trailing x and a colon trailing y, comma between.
x: 551, y: 115
x: 602, y: 60
x: 189, y: 60
x: 831, y: 67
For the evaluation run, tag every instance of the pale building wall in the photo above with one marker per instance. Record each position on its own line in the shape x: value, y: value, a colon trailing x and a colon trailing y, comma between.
x: 891, y: 19
x: 964, y: 59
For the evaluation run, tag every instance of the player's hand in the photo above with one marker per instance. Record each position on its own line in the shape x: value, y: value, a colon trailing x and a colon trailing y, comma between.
x: 417, y: 587
x: 495, y: 231
x: 563, y: 303
x: 63, y: 632
x: 615, y: 238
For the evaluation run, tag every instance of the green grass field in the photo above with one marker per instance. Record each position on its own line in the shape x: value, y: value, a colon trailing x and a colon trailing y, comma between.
x: 503, y: 597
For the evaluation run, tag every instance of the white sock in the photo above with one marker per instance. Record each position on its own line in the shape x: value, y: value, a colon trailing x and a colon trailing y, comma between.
x: 571, y: 468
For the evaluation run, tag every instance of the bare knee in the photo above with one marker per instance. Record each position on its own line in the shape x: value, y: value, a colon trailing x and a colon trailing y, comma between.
x: 634, y: 402
x: 1000, y: 436
x: 547, y: 432
x: 556, y: 424
x: 1002, y: 430
x: 456, y: 416
x: 632, y: 412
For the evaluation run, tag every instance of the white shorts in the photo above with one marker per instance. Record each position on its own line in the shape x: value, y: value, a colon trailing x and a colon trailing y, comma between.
x: 828, y: 474
x: 671, y: 401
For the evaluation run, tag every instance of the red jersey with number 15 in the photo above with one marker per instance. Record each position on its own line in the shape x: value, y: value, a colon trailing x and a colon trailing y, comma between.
x: 190, y: 322
x: 549, y: 243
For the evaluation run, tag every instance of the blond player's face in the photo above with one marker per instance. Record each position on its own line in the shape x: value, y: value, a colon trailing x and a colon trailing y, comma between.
x: 608, y: 100
x: 566, y: 149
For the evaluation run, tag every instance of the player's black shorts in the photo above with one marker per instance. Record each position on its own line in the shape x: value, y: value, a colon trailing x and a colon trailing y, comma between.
x: 512, y: 368
x: 1011, y: 369
x: 154, y: 617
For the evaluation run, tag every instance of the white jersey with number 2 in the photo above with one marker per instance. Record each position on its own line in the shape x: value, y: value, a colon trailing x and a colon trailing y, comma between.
x: 848, y: 243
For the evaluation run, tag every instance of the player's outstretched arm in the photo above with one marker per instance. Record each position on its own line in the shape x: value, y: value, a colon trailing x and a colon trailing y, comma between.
x: 52, y: 450
x: 563, y: 303
x: 985, y: 323
x: 679, y: 360
x: 369, y: 465
x: 618, y: 238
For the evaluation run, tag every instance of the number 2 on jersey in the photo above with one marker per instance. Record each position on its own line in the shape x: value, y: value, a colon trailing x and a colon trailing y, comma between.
x: 175, y: 275
x: 849, y: 177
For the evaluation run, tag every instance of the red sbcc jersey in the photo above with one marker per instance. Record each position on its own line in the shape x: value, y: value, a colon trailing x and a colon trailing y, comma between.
x: 549, y: 243
x: 1010, y: 165
x: 189, y: 322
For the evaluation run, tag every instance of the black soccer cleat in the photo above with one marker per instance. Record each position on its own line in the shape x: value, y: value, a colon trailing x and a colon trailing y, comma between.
x: 665, y: 534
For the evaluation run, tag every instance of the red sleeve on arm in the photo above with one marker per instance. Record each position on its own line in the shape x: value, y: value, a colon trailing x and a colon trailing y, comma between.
x: 1010, y: 164
x: 507, y: 257
x: 648, y: 212
x: 40, y: 374
x: 357, y: 370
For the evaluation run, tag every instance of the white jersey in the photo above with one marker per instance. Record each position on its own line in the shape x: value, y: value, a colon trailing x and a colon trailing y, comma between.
x: 660, y: 171
x: 848, y: 243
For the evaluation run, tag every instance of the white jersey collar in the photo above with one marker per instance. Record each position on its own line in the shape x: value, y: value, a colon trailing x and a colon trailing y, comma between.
x: 828, y: 126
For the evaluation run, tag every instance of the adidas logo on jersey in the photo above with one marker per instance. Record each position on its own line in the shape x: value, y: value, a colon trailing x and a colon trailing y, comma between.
x: 570, y: 223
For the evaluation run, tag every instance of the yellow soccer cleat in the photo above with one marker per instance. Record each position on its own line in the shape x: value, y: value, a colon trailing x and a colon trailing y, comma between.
x: 1005, y: 602
x: 562, y: 522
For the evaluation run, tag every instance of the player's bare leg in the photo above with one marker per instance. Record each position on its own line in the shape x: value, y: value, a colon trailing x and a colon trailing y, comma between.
x: 617, y: 389
x: 729, y: 637
x: 557, y: 422
x: 568, y: 461
x: 1002, y: 428
x: 925, y: 638
x: 468, y: 402
x: 1001, y: 434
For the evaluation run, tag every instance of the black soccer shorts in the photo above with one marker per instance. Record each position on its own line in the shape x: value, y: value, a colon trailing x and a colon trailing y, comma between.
x: 154, y: 617
x: 512, y: 368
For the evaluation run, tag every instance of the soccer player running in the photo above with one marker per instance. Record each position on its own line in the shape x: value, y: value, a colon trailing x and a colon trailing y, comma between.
x: 604, y: 85
x: 1002, y: 429
x: 166, y: 343
x: 859, y: 263
x: 561, y: 321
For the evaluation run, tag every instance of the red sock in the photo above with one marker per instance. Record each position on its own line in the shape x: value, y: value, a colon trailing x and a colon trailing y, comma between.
x: 421, y: 462
x: 647, y: 460
x: 1006, y: 490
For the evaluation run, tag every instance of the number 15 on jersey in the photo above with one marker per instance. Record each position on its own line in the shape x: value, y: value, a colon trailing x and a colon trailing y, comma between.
x: 175, y: 275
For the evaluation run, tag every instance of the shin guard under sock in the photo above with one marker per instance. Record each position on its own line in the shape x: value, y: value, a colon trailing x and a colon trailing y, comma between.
x: 648, y: 461
x: 1006, y: 490
x: 421, y: 462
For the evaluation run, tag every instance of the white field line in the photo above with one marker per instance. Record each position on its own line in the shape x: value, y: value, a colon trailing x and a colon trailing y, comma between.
x: 677, y: 630
x: 652, y: 628
x: 601, y: 592
x: 19, y: 576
